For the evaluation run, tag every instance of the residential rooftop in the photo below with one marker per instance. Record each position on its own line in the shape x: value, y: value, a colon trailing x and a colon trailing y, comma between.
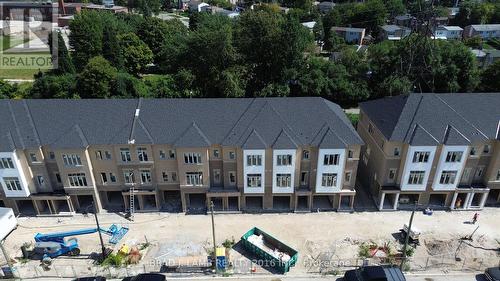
x: 486, y: 27
x: 255, y: 123
x: 430, y: 119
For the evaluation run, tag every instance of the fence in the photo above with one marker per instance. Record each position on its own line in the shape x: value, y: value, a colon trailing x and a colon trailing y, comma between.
x: 324, y: 263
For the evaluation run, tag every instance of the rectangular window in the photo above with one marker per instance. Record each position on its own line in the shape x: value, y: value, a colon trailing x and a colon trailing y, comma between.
x: 128, y: 176
x: 77, y: 179
x: 58, y: 178
x: 305, y: 154
x: 112, y: 177
x: 421, y: 156
x: 52, y: 156
x: 125, y: 154
x: 396, y: 151
x: 416, y: 177
x: 392, y: 175
x: 232, y: 155
x: 479, y: 172
x: 348, y: 177
x: 370, y: 128
x: 283, y: 180
x: 466, y: 174
x: 142, y: 154
x: 163, y: 155
x: 448, y: 177
x: 350, y: 154
x: 254, y: 160
x: 472, y: 151
x: 104, y: 178
x: 192, y: 158
x: 329, y: 180
x: 254, y: 180
x: 284, y: 160
x: 40, y: 180
x: 232, y: 178
x: 145, y: 176
x: 107, y: 154
x: 216, y: 153
x: 164, y: 175
x: 331, y: 159
x: 12, y: 183
x: 71, y: 160
x: 194, y: 178
x: 216, y: 176
x: 6, y: 163
x: 486, y: 149
x: 304, y: 178
x: 98, y: 155
x: 33, y: 157
x: 497, y: 178
x: 171, y: 154
x: 174, y: 176
x: 454, y: 156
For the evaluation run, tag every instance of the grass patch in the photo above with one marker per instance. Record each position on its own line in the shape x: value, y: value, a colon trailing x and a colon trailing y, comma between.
x: 8, y: 42
x: 354, y: 118
x: 18, y: 73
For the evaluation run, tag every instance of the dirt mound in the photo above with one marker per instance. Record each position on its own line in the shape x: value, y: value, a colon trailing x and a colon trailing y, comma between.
x: 439, y: 247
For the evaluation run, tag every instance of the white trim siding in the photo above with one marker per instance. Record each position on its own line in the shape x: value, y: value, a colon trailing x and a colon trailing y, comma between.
x: 254, y: 169
x: 336, y: 168
x: 284, y: 169
x: 457, y: 166
x: 417, y: 166
x: 17, y: 172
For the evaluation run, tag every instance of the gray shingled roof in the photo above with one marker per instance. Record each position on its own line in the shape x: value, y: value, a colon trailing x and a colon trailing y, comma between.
x: 250, y: 123
x: 425, y: 119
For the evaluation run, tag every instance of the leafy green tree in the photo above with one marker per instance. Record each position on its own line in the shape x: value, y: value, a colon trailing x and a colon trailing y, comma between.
x: 395, y: 7
x: 210, y: 52
x: 231, y: 83
x: 127, y: 86
x: 270, y: 45
x: 146, y: 7
x: 490, y: 81
x: 156, y: 33
x: 96, y: 79
x: 136, y: 54
x: 51, y: 86
x: 6, y: 90
x: 61, y: 58
x: 162, y: 86
x: 86, y: 37
x: 474, y: 12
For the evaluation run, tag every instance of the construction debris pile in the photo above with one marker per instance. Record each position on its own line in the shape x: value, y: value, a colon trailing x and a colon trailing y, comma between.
x: 258, y: 240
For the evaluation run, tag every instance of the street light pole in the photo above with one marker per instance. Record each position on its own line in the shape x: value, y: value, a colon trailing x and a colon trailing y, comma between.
x: 103, y: 249
x: 407, y: 238
x: 213, y: 235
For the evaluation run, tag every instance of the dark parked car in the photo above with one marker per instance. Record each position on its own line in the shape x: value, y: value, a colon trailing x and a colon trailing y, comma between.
x: 492, y: 273
x: 375, y: 273
x: 146, y: 277
x: 95, y: 278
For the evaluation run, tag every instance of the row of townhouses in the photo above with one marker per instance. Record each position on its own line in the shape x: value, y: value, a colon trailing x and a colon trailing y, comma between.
x: 63, y: 156
x: 264, y: 154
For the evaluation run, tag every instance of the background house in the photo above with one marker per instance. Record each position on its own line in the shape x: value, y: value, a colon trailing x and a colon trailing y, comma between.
x: 350, y: 34
x: 485, y: 31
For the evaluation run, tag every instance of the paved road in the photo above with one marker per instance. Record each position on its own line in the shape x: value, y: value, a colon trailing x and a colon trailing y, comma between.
x: 465, y: 277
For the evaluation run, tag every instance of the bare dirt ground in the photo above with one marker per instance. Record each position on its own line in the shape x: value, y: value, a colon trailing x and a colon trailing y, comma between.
x: 330, y: 236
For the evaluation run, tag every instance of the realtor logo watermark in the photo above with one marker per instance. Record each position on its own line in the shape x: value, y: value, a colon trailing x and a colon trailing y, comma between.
x: 26, y: 28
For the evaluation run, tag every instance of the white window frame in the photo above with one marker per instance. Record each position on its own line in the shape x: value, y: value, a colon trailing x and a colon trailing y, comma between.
x: 284, y: 160
x: 128, y: 176
x: 453, y: 156
x: 305, y: 154
x: 421, y: 156
x: 331, y: 159
x: 104, y: 178
x: 194, y: 178
x: 77, y: 179
x: 125, y: 155
x: 448, y: 177
x: 254, y: 160
x: 284, y: 180
x: 6, y: 163
x: 192, y: 158
x: 71, y: 160
x: 12, y: 183
x: 393, y: 172
x: 329, y: 179
x: 304, y: 178
x: 254, y: 180
x: 416, y: 177
x: 146, y: 177
x: 142, y: 154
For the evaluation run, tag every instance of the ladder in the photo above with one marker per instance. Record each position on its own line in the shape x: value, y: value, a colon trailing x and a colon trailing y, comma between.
x: 132, y: 201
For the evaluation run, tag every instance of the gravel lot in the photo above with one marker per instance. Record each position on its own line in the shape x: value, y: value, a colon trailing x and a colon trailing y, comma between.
x: 331, y: 235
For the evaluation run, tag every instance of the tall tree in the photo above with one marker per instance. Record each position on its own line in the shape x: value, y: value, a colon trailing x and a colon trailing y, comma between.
x: 490, y: 81
x: 136, y: 54
x: 96, y: 79
x: 156, y: 33
x: 60, y: 55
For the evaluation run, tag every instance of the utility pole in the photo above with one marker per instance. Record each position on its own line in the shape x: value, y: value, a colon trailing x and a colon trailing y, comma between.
x: 103, y: 249
x: 213, y: 235
x: 403, y: 260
